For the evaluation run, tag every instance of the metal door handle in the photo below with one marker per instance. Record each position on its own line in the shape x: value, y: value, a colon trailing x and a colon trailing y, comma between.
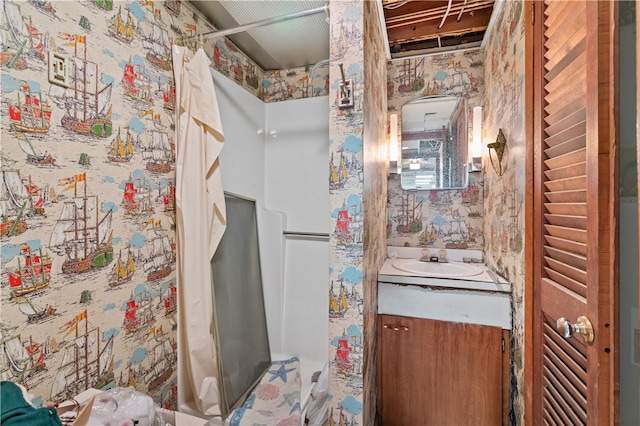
x: 582, y: 327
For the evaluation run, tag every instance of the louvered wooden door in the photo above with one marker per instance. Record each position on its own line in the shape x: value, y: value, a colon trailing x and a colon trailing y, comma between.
x: 574, y: 233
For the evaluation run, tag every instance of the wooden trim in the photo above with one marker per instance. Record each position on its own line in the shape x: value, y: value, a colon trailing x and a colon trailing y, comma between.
x: 534, y: 265
x: 611, y: 19
x: 379, y: 389
x: 608, y: 202
x: 506, y: 376
x: 638, y: 135
x: 529, y: 207
x: 595, y: 411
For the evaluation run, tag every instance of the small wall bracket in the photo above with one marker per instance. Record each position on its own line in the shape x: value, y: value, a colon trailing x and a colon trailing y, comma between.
x: 345, y: 94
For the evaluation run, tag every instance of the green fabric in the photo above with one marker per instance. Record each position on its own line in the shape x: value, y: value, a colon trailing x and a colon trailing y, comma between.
x: 16, y: 411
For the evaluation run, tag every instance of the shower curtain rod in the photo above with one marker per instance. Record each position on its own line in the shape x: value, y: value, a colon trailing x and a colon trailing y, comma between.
x: 261, y: 23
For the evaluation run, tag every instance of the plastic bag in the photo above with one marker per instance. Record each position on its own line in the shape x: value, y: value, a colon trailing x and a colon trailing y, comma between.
x: 124, y: 407
x: 318, y: 407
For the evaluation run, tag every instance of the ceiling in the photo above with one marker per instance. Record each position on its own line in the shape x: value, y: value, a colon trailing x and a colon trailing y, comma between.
x: 413, y: 27
x: 287, y: 44
x: 429, y: 26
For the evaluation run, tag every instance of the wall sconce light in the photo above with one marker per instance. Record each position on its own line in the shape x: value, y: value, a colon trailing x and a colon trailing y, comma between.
x: 475, y: 154
x: 393, y: 144
x: 499, y: 147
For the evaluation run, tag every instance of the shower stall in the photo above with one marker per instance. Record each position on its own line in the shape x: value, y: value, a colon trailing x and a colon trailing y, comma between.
x: 277, y: 154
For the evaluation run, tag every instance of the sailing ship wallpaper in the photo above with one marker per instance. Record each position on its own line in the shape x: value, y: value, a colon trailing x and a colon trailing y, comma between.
x: 504, y: 195
x: 87, y: 196
x: 88, y: 287
x: 438, y: 218
x: 488, y: 214
x: 356, y: 135
x: 465, y: 218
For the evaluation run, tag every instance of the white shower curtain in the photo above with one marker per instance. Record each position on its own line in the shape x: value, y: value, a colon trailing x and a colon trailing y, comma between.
x: 200, y: 223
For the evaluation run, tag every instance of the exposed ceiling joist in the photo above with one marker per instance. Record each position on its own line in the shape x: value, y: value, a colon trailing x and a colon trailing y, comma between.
x: 418, y: 26
x: 412, y: 27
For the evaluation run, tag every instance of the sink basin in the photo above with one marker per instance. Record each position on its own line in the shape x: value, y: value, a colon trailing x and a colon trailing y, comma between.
x: 437, y: 270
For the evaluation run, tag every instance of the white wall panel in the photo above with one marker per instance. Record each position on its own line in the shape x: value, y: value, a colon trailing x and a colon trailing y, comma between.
x: 242, y: 158
x: 277, y: 154
x: 242, y: 163
x: 297, y: 162
x: 297, y: 184
x: 305, y: 326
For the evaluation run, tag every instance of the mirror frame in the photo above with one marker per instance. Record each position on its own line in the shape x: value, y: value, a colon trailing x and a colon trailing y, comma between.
x: 434, y: 148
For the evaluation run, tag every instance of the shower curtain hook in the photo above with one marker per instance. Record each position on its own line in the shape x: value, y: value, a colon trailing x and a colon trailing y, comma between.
x: 200, y: 42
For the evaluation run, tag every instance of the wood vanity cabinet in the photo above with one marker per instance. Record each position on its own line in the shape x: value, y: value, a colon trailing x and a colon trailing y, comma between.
x: 441, y: 373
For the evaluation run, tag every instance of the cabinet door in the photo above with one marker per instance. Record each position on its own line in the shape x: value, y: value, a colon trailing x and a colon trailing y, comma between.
x: 439, y: 373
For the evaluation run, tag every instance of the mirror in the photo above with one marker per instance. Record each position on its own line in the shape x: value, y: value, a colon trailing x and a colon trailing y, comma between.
x: 434, y: 143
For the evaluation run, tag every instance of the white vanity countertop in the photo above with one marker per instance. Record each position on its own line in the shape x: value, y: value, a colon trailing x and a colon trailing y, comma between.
x: 477, y: 299
x: 486, y: 281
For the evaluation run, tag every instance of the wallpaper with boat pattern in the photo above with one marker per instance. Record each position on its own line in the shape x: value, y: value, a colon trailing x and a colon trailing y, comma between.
x: 437, y: 218
x: 88, y: 286
x: 352, y: 341
x: 87, y: 192
x: 504, y: 195
x: 347, y: 211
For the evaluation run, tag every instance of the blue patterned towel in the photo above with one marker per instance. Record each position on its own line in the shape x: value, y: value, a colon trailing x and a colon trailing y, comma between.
x: 276, y: 399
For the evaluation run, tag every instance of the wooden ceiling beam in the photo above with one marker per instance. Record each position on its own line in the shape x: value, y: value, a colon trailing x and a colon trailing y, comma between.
x: 428, y: 29
x: 401, y: 16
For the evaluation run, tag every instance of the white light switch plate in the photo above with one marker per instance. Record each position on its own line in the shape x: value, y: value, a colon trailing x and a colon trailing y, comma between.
x: 59, y: 69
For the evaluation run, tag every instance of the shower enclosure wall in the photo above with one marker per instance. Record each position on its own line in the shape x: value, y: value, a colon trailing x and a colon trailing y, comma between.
x: 278, y: 155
